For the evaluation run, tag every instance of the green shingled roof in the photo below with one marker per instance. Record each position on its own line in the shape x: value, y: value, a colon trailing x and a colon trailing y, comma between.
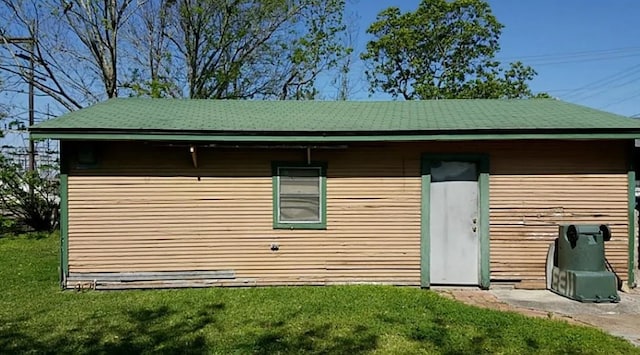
x: 137, y: 118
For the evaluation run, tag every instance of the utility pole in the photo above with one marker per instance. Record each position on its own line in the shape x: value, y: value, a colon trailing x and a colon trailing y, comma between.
x: 31, y: 41
x: 32, y: 144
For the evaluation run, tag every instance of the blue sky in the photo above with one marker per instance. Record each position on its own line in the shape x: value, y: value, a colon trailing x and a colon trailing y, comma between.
x: 585, y: 51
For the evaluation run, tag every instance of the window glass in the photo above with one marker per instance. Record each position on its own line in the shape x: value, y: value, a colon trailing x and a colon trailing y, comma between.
x: 299, y: 195
x: 454, y: 171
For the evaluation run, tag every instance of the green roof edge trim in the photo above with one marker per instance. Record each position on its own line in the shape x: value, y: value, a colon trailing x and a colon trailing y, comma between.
x: 330, y: 138
x: 335, y: 121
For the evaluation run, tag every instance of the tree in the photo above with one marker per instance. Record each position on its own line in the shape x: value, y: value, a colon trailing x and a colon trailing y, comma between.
x: 97, y: 24
x: 3, y: 112
x: 219, y: 39
x: 152, y: 66
x: 75, y: 50
x: 315, y: 47
x: 86, y: 51
x: 442, y: 50
x: 343, y: 81
x: 255, y: 49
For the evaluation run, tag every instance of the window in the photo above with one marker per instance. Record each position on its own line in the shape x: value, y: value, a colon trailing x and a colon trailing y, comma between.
x: 299, y: 199
x: 86, y: 156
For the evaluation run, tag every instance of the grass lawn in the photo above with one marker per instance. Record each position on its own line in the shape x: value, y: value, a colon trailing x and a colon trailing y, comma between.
x: 35, y: 316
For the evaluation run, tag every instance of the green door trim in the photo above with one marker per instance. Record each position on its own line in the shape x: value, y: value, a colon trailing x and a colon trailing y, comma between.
x: 631, y: 214
x: 483, y: 208
x: 631, y: 185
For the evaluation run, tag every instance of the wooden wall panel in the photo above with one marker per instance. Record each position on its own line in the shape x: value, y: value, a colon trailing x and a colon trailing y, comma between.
x: 152, y: 215
x: 535, y: 190
x: 144, y: 207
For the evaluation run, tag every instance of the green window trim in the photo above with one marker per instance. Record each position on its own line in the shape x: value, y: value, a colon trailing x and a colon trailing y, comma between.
x: 275, y: 173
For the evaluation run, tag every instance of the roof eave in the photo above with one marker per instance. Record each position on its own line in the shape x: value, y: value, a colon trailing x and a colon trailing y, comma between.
x: 337, y: 136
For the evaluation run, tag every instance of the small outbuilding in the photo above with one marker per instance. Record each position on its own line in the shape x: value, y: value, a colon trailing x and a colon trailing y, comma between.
x: 170, y: 192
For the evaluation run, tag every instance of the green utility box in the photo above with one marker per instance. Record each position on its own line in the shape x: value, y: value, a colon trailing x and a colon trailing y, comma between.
x: 578, y: 270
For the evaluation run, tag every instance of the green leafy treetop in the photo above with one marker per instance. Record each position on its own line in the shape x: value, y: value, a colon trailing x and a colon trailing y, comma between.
x: 442, y: 50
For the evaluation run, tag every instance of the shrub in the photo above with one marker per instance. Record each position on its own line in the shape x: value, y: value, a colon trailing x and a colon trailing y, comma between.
x: 28, y: 199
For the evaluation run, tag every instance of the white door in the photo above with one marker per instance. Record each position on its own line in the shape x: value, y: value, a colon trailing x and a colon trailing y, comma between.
x: 455, y: 245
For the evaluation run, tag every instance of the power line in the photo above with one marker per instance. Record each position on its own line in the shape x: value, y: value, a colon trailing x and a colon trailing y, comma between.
x: 574, y: 54
x: 576, y: 57
x: 632, y: 96
x: 605, y: 88
x: 605, y: 82
x: 580, y: 60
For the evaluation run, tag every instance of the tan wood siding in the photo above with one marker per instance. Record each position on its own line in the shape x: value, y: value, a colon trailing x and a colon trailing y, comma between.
x: 151, y: 215
x: 146, y: 208
x: 535, y: 190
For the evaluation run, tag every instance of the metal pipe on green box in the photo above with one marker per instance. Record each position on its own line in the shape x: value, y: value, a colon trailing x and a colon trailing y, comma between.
x: 576, y: 265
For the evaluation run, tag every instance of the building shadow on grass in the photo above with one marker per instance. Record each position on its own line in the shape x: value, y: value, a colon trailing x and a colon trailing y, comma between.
x: 441, y: 335
x: 278, y: 338
x: 143, y: 330
x: 161, y: 329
